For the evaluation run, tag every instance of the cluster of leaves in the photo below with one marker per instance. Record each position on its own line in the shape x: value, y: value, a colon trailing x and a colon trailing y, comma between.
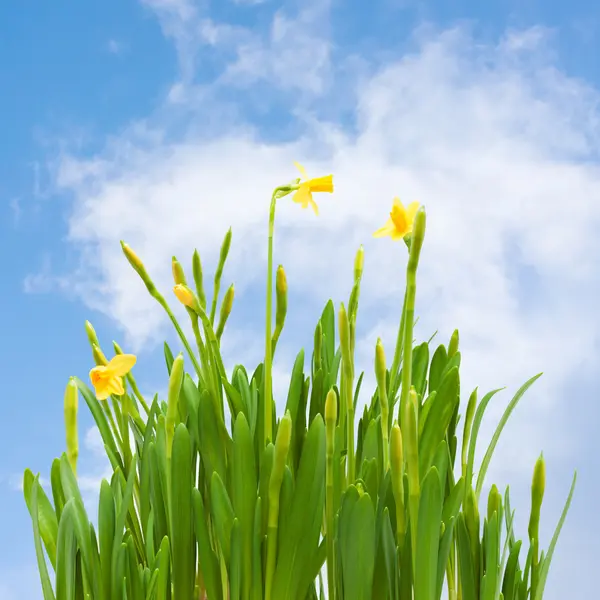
x: 198, y: 506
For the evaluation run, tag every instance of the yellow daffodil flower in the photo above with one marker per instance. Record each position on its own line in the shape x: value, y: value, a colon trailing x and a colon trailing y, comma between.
x: 303, y: 195
x: 106, y: 379
x: 184, y: 295
x: 400, y: 222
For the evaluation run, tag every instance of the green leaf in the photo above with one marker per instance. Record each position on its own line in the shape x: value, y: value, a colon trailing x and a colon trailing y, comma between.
x: 438, y: 364
x: 510, y: 582
x: 492, y: 446
x: 235, y: 569
x: 428, y: 536
x: 357, y: 544
x: 465, y: 561
x: 67, y: 554
x: 548, y: 558
x: 106, y: 533
x: 182, y: 540
x: 39, y: 552
x: 475, y: 432
x: 47, y: 520
x: 420, y: 362
x: 244, y: 487
x: 438, y: 419
x: 223, y: 514
x: 299, y: 545
x: 209, y: 564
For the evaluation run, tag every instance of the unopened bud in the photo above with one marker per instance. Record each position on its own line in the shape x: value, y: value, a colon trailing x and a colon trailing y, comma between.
x: 284, y: 436
x: 184, y: 295
x: 359, y: 263
x: 138, y: 265
x: 281, y: 289
x: 538, y: 486
x: 198, y: 278
x: 417, y: 238
x: 225, y: 246
x: 344, y: 328
x: 331, y: 408
x: 174, y: 389
x: 70, y: 408
x: 178, y: 274
x: 380, y: 367
x: 91, y: 334
x: 226, y: 308
x: 494, y: 503
x: 99, y: 357
x: 396, y: 453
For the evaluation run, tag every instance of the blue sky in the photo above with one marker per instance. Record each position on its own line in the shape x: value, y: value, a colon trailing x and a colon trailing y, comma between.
x: 163, y: 122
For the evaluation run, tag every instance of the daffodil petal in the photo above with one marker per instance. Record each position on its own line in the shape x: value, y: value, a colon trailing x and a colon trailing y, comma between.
x: 115, y: 386
x: 302, y: 171
x: 397, y: 234
x: 314, y: 205
x: 397, y: 203
x: 387, y: 229
x: 302, y: 196
x: 102, y: 393
x: 121, y: 364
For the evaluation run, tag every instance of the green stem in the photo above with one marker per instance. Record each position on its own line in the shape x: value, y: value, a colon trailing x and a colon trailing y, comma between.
x: 397, y: 354
x: 329, y: 519
x: 268, y: 324
x: 350, y: 426
x: 180, y: 333
x: 137, y: 393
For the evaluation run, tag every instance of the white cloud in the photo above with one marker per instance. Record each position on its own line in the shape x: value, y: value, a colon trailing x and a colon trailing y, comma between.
x: 498, y: 144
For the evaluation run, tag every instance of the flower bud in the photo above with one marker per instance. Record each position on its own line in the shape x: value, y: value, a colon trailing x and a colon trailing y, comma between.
x: 359, y: 262
x: 138, y: 266
x: 184, y: 295
x: 417, y: 238
x: 331, y: 408
x: 281, y: 289
x: 494, y: 503
x: 91, y: 334
x: 225, y: 246
x: 282, y: 447
x: 175, y: 383
x: 226, y: 307
x: 538, y: 486
x: 198, y: 278
x: 344, y: 328
x: 380, y: 368
x: 99, y: 357
x: 70, y: 408
x: 178, y: 274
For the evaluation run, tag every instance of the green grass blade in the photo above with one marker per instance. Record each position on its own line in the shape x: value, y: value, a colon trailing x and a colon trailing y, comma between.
x: 492, y: 446
x: 548, y: 558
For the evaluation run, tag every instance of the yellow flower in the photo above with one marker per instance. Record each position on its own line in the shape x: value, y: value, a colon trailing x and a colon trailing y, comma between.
x: 184, y: 295
x: 303, y: 195
x: 400, y: 222
x: 106, y: 379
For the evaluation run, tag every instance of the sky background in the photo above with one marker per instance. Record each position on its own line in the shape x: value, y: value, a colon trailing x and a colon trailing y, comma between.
x: 164, y: 122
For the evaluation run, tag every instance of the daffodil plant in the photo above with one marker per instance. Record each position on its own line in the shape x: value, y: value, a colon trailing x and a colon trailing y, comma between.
x: 214, y: 497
